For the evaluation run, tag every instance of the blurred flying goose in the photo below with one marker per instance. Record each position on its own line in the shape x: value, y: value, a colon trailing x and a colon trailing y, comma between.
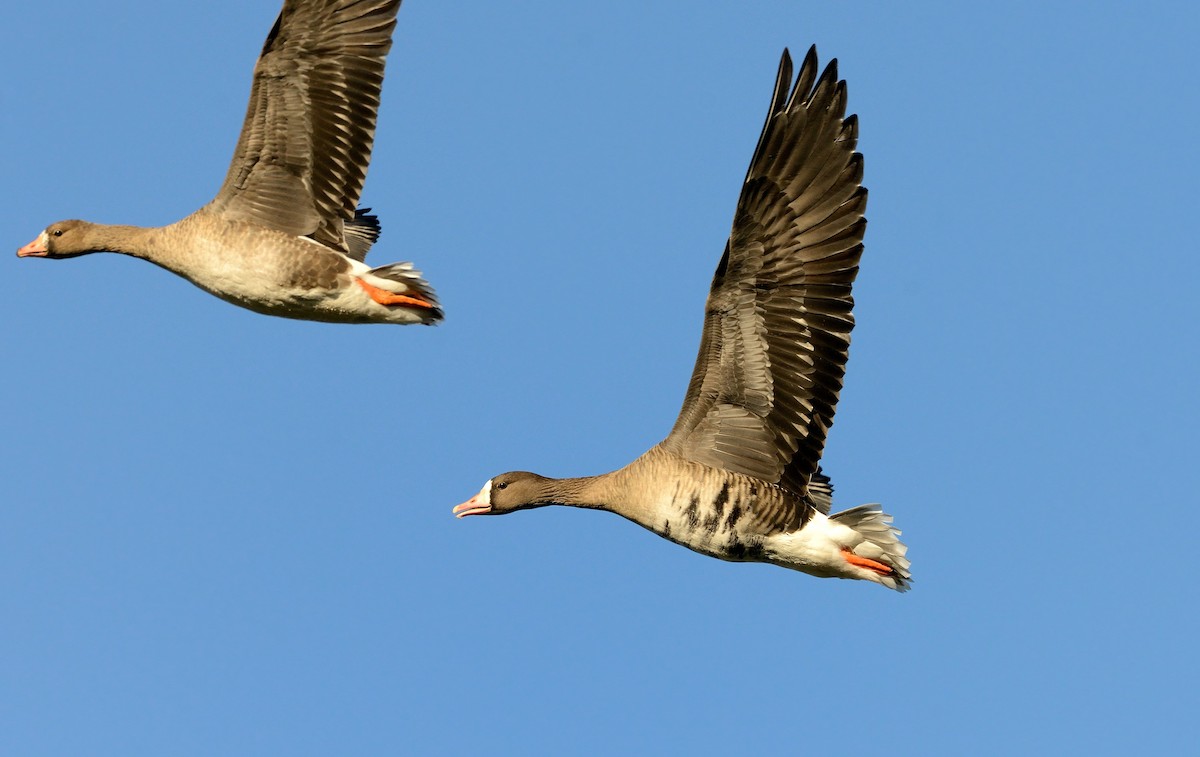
x: 739, y: 477
x: 283, y: 236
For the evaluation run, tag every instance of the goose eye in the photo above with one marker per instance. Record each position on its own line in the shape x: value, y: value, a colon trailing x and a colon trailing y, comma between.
x: 57, y: 232
x: 502, y: 485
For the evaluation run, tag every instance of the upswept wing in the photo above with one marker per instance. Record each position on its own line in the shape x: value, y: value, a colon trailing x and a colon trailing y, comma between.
x: 778, y: 318
x: 303, y: 153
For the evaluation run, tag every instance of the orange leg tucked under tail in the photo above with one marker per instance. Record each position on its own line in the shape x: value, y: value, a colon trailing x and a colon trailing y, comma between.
x: 869, y: 564
x: 384, y: 297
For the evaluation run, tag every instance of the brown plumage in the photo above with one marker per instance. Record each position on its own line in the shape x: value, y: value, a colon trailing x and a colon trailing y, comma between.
x: 283, y: 235
x: 738, y: 477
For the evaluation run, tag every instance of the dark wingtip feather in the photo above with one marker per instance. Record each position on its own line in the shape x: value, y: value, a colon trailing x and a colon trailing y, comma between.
x: 779, y: 103
x: 831, y: 71
x: 805, y: 79
x: 782, y: 78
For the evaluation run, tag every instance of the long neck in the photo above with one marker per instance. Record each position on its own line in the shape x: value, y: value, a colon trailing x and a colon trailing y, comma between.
x: 614, y: 491
x: 128, y: 240
x: 629, y: 492
x: 587, y: 492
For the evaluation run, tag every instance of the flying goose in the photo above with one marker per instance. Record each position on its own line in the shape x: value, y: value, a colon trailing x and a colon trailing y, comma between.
x: 283, y: 235
x: 738, y: 477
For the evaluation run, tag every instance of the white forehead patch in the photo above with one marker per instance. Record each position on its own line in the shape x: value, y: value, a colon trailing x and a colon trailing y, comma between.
x: 485, y: 494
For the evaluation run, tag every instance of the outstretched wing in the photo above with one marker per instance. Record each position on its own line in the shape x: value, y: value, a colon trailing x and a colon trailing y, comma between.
x: 302, y: 157
x: 778, y: 318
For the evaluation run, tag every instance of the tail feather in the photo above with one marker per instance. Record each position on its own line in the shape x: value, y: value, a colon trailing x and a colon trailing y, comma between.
x: 880, y: 542
x: 411, y: 281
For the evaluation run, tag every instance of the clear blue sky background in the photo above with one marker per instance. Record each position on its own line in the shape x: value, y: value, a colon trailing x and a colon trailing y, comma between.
x: 223, y: 533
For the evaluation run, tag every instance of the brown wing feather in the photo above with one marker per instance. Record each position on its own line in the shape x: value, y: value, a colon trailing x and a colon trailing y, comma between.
x: 778, y: 318
x: 302, y: 157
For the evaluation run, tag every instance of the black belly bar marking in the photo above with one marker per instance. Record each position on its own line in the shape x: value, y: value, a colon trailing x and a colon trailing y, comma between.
x: 722, y: 498
x: 735, y: 514
x: 693, y: 511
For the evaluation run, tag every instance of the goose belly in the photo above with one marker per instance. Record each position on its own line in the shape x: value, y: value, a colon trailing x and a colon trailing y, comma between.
x: 273, y: 273
x: 713, y: 519
x: 322, y: 289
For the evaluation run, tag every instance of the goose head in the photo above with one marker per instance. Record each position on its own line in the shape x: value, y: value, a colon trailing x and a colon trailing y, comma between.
x: 509, y: 492
x: 65, y: 239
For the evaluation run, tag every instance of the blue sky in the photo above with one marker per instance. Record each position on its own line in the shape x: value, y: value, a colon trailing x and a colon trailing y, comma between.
x: 223, y: 533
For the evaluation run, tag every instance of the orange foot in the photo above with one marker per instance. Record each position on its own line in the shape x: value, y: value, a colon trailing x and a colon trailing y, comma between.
x: 869, y: 564
x: 384, y: 297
